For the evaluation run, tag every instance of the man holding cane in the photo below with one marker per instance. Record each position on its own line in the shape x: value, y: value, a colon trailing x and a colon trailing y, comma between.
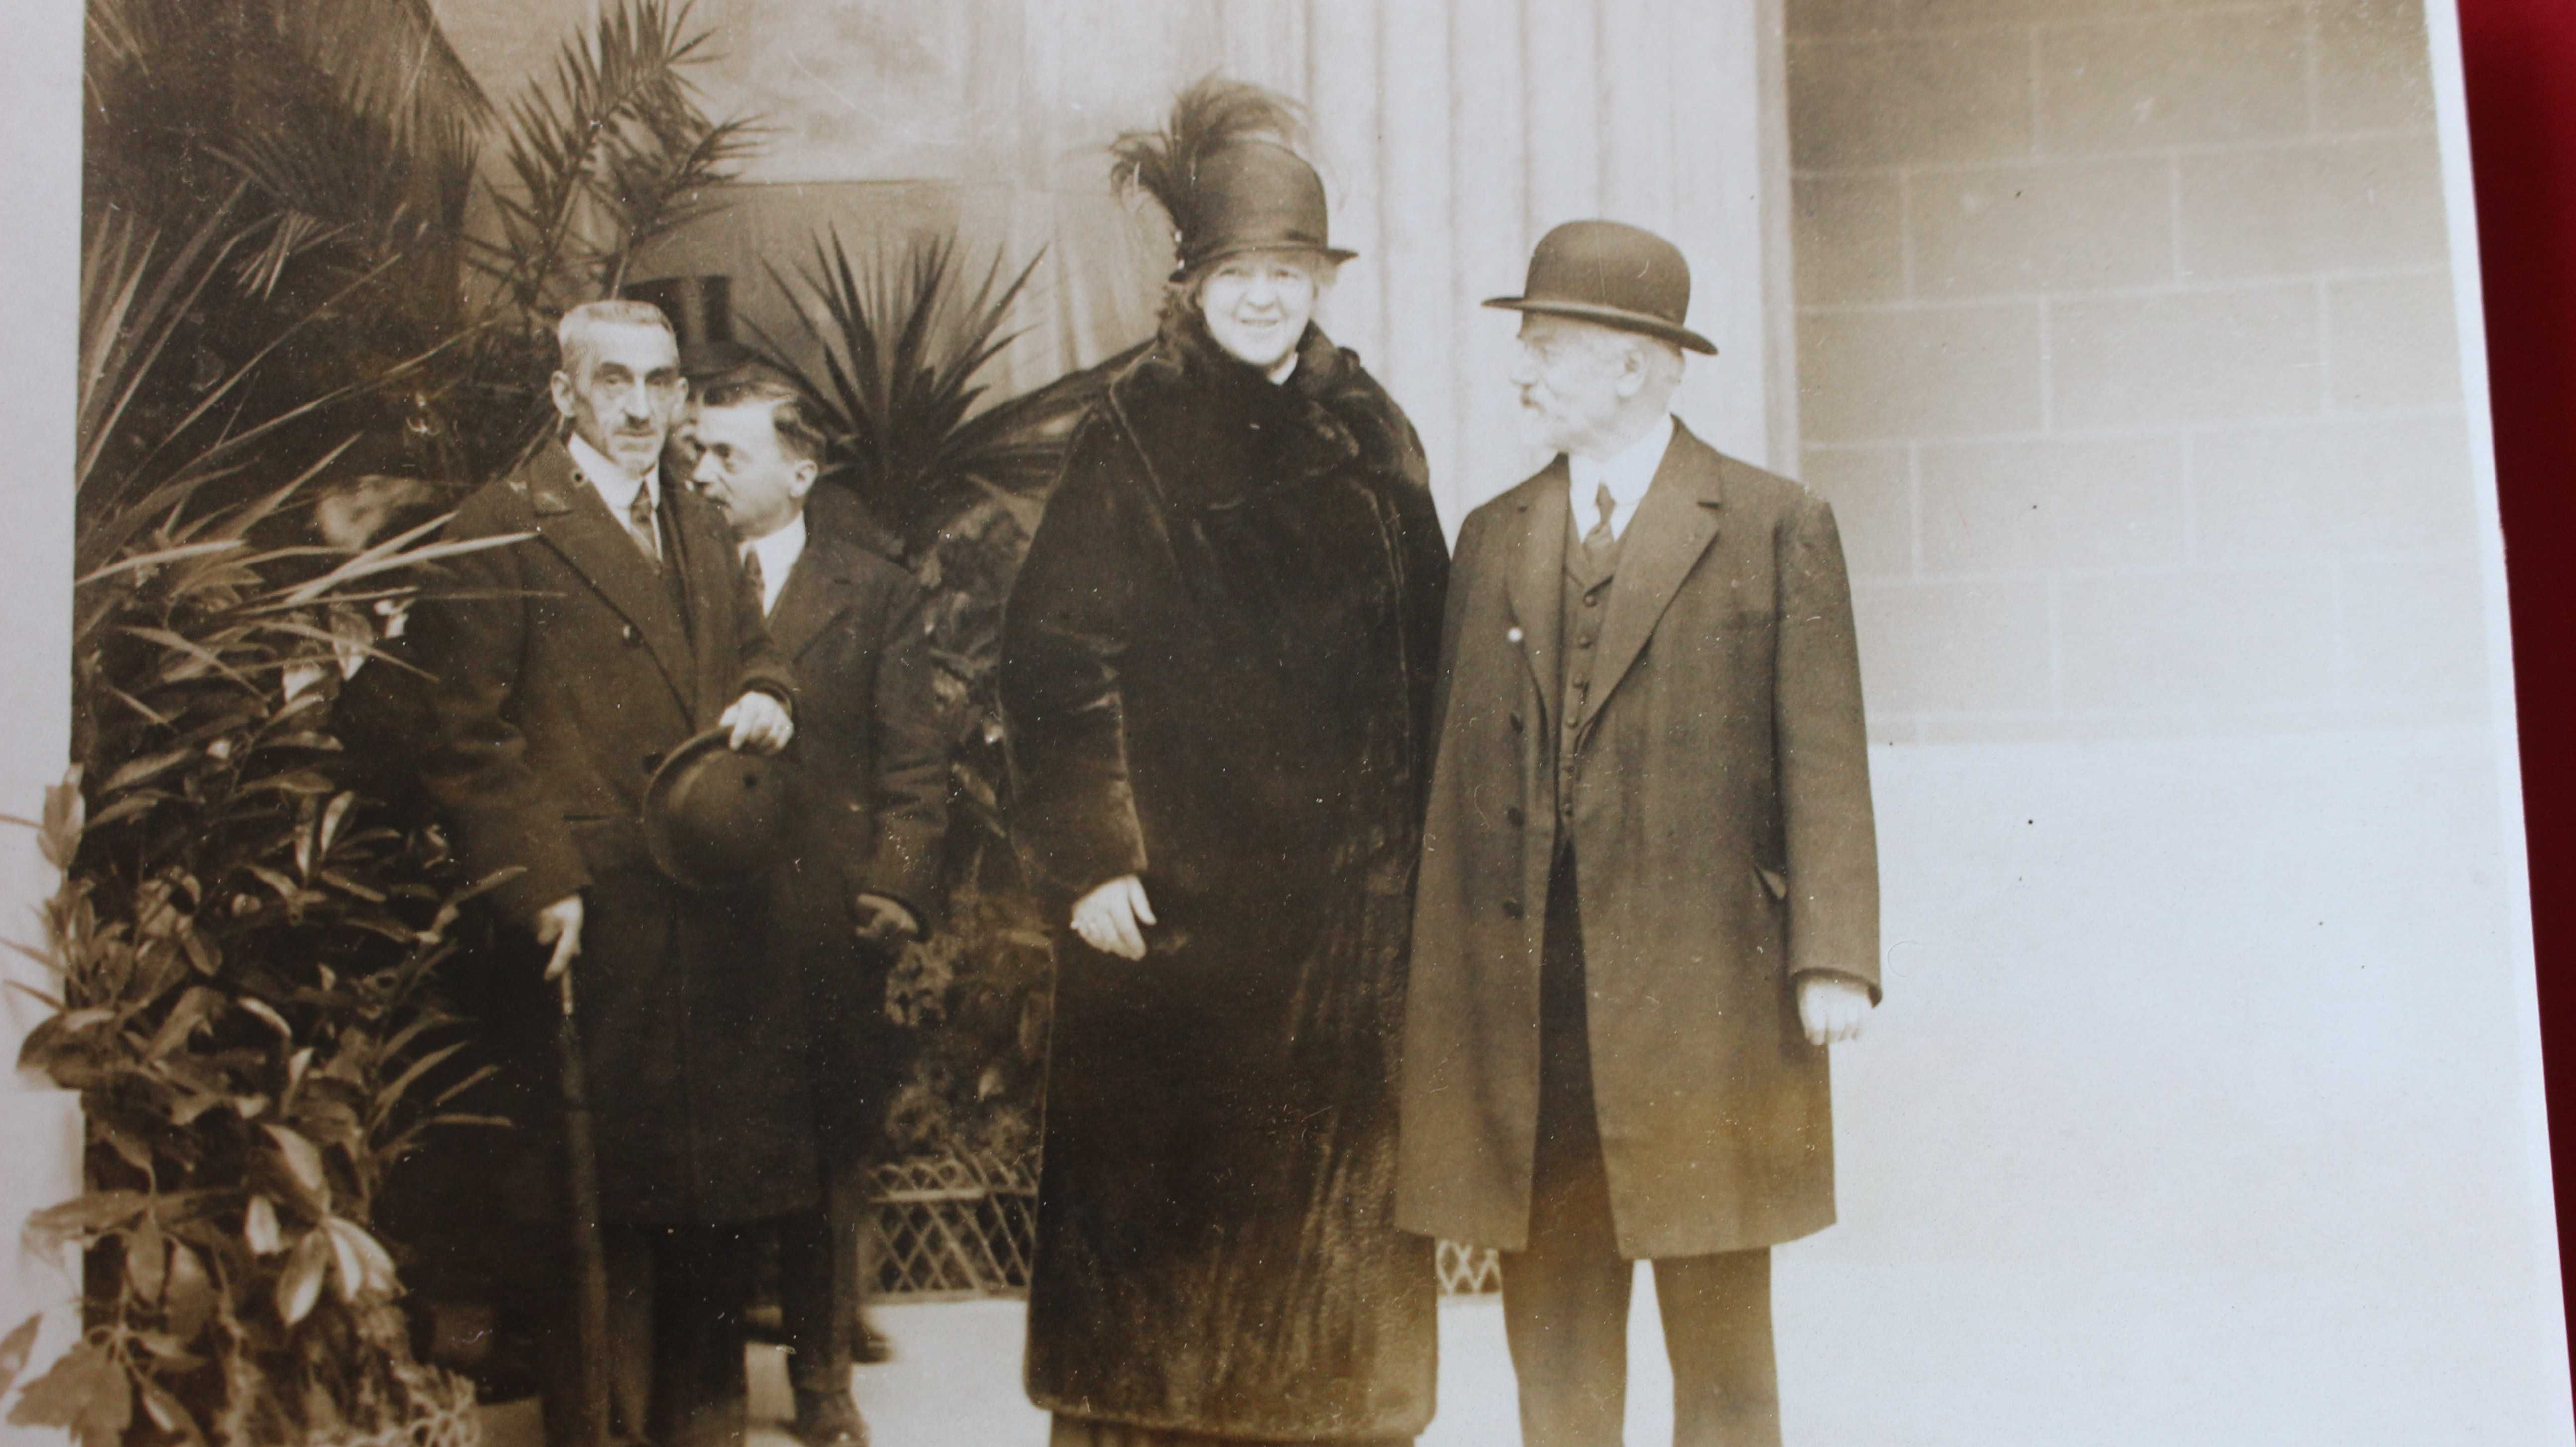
x: 570, y: 666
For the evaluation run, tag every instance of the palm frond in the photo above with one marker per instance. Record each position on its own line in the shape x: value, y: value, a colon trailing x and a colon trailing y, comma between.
x: 903, y: 339
x: 391, y: 57
x: 611, y: 150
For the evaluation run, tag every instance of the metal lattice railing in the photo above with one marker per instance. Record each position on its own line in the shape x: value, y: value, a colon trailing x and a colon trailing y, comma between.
x: 1469, y: 1270
x: 951, y: 1228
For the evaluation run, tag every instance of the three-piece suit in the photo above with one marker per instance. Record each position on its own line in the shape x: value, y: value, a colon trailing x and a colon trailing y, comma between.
x: 1649, y: 817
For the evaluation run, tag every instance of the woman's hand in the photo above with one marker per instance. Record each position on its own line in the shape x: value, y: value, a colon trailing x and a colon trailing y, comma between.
x: 1107, y: 918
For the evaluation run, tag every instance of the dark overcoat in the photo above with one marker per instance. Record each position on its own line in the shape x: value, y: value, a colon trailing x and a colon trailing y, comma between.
x: 1217, y: 674
x: 873, y: 811
x: 1723, y: 842
x: 566, y: 671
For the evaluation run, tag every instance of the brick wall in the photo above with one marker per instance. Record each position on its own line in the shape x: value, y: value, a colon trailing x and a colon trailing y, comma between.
x: 2126, y: 356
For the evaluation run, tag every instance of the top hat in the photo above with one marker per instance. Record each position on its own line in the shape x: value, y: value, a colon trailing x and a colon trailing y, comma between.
x: 1612, y: 274
x: 701, y: 313
x: 716, y: 818
x: 1254, y: 195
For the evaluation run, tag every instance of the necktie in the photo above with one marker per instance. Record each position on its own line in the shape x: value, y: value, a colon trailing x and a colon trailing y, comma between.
x: 639, y: 523
x: 759, y: 581
x: 1599, y: 542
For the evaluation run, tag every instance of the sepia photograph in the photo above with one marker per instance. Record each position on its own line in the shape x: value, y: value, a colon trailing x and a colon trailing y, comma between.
x: 1294, y: 723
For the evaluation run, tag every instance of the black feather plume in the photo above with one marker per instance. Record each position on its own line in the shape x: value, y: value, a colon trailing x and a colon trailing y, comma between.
x: 1208, y: 117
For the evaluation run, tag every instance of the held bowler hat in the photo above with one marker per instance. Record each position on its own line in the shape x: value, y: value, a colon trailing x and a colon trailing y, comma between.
x: 1255, y: 196
x: 1613, y: 274
x: 716, y: 818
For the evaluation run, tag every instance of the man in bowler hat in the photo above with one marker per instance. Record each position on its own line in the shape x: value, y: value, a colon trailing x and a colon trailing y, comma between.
x: 569, y: 665
x: 1648, y: 897
x: 864, y: 872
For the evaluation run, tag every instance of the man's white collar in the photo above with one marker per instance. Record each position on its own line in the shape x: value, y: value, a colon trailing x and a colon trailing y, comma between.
x: 778, y: 551
x: 1628, y: 473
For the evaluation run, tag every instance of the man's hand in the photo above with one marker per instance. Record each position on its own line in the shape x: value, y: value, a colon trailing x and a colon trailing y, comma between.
x: 884, y: 921
x: 559, y: 924
x: 1832, y: 1008
x: 760, y: 723
x: 1107, y: 917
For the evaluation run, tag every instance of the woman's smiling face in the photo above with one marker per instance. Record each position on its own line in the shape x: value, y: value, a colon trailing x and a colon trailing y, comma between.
x: 1257, y: 304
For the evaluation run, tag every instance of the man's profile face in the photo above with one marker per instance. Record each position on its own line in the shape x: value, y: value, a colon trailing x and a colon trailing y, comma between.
x: 620, y: 389
x: 1568, y: 374
x: 747, y: 472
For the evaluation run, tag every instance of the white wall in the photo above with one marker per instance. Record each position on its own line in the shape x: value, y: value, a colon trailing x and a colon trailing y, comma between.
x: 39, y: 252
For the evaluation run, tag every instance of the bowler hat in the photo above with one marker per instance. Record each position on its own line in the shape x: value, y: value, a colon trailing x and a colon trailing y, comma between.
x: 701, y: 313
x: 715, y: 817
x: 1614, y: 274
x: 1254, y: 196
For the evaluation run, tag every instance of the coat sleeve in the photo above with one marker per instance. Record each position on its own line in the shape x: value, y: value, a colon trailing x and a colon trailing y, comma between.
x: 1065, y: 636
x: 1424, y: 554
x: 473, y: 634
x: 1824, y: 756
x: 908, y: 783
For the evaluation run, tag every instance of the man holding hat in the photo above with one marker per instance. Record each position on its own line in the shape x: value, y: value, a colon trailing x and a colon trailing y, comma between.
x: 617, y: 634
x: 864, y: 874
x: 1648, y: 898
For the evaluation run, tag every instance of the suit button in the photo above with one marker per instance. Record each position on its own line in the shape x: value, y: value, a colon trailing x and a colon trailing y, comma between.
x: 1515, y: 817
x: 628, y: 633
x: 1591, y: 600
x: 1516, y: 723
x: 1583, y: 643
x: 1511, y: 909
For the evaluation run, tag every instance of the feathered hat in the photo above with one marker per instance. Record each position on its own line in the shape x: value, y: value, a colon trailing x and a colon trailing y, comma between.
x: 1224, y: 171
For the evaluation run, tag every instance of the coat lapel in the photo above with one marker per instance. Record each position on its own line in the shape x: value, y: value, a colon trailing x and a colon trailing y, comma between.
x: 1537, y: 591
x: 576, y: 523
x: 712, y: 570
x: 816, y: 592
x: 1674, y: 525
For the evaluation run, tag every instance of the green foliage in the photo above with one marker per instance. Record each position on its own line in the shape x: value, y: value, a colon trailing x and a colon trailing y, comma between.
x: 902, y: 338
x: 615, y: 154
x: 246, y: 944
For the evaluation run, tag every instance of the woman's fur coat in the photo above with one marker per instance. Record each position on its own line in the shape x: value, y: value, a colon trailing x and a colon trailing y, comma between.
x: 1218, y: 674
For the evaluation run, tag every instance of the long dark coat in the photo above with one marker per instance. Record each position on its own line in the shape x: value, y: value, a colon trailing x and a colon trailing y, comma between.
x: 1723, y: 846
x: 873, y: 770
x: 1218, y: 675
x: 565, y: 674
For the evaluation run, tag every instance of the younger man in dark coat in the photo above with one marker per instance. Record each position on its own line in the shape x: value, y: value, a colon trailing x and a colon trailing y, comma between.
x: 569, y: 664
x: 865, y: 873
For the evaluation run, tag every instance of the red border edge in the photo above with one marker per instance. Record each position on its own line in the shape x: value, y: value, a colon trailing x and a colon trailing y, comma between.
x: 2519, y: 59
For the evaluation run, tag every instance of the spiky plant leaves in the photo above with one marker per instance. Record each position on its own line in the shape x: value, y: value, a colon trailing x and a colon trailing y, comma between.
x: 611, y: 151
x: 903, y: 339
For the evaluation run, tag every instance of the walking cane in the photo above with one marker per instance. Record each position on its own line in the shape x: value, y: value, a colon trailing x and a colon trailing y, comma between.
x: 589, y: 1256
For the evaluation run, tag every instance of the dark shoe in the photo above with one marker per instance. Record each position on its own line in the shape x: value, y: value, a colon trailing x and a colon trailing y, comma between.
x: 828, y: 1419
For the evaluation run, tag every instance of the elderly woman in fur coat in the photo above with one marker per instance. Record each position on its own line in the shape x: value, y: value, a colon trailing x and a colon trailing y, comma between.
x: 1218, y: 671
